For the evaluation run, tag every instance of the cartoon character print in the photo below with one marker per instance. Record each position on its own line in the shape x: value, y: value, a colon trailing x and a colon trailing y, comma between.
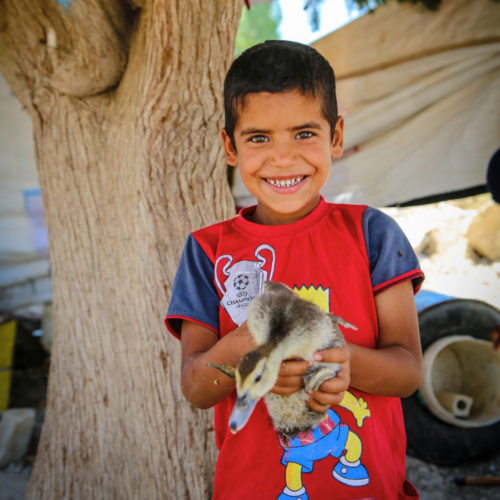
x: 245, y: 280
x: 330, y: 437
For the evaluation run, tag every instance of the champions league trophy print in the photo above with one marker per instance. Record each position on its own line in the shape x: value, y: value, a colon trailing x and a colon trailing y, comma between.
x: 245, y: 280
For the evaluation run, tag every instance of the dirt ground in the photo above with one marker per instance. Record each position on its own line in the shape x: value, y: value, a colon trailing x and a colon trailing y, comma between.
x: 433, y: 482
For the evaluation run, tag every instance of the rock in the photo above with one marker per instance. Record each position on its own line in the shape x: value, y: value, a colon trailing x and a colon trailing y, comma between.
x: 15, y: 432
x: 484, y: 232
x: 429, y: 244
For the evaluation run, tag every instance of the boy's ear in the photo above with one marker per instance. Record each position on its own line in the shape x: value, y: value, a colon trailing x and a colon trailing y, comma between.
x: 229, y: 149
x: 338, y: 139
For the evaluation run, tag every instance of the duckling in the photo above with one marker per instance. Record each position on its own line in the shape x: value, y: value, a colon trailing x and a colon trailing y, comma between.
x: 284, y: 326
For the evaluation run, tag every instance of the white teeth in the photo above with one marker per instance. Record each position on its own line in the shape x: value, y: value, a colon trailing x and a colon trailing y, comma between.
x: 287, y: 183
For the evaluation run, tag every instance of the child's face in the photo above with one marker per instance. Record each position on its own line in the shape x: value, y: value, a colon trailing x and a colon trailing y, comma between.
x: 284, y: 151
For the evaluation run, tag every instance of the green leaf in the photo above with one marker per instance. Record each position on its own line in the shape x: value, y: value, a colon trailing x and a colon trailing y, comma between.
x: 257, y: 25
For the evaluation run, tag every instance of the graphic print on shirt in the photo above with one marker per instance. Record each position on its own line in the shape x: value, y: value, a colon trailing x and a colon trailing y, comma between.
x: 329, y: 438
x: 319, y: 296
x: 245, y: 280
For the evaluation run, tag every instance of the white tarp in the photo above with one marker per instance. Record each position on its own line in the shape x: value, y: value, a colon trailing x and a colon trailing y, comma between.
x: 433, y: 135
x: 24, y: 264
x: 421, y: 97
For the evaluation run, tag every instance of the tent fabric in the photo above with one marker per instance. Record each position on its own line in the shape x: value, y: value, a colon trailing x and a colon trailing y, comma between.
x: 24, y: 264
x: 435, y: 135
x: 426, y: 121
x: 395, y: 33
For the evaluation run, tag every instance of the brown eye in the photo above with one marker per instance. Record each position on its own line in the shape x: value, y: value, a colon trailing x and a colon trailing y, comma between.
x: 304, y: 135
x: 259, y: 138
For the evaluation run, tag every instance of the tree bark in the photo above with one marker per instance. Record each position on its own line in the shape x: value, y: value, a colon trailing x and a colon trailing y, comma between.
x: 126, y: 101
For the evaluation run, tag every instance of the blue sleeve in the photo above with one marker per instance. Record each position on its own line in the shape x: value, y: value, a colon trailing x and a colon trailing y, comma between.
x: 194, y: 296
x: 392, y: 259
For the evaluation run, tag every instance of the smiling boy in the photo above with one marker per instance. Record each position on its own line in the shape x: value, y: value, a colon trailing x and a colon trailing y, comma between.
x: 286, y: 177
x: 282, y: 130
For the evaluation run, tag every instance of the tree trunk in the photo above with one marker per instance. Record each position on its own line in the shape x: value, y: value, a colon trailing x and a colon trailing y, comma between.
x: 127, y: 105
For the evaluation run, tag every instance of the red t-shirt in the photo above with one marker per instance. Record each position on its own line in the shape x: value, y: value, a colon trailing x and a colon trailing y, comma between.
x: 339, y: 257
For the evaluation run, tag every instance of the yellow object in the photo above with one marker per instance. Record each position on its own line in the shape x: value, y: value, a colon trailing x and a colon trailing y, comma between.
x: 319, y: 296
x: 5, y: 376
x: 358, y: 407
x: 354, y: 447
x: 293, y: 476
x: 7, y: 338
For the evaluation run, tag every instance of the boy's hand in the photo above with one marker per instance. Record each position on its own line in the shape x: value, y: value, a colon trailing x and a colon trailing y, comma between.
x: 237, y: 343
x: 291, y: 376
x: 331, y: 392
x: 201, y: 384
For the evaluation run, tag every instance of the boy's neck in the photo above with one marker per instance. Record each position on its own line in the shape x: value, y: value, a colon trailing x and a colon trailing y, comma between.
x: 265, y: 216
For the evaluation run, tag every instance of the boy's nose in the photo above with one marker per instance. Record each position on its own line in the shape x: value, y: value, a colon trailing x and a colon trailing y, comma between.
x: 283, y: 154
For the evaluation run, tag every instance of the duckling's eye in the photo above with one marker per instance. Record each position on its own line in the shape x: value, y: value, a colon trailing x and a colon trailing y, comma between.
x: 304, y: 135
x: 257, y: 378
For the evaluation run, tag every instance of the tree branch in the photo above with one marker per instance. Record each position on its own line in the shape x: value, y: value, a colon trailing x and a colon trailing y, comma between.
x: 77, y: 47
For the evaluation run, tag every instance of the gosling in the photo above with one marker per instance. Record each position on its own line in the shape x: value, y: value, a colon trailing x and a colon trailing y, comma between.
x: 284, y: 326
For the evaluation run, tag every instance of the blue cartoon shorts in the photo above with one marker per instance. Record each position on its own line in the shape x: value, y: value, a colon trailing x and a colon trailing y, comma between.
x: 328, y: 438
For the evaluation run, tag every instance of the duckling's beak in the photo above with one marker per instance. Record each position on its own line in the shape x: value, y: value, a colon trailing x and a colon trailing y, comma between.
x: 242, y: 410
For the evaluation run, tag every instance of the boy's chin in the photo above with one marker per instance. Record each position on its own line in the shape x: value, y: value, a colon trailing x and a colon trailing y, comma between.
x: 297, y: 203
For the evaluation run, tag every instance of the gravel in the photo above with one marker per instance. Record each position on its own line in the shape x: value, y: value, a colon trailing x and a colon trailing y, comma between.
x: 433, y: 482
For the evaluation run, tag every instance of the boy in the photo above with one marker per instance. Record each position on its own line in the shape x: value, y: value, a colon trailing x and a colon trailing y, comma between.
x: 282, y: 130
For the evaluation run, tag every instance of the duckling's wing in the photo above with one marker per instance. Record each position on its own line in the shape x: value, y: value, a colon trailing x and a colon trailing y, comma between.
x: 339, y: 321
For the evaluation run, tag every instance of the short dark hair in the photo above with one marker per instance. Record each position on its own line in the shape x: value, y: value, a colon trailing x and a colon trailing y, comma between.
x: 279, y: 66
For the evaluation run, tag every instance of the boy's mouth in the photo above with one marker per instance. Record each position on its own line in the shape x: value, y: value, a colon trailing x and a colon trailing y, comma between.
x: 283, y: 183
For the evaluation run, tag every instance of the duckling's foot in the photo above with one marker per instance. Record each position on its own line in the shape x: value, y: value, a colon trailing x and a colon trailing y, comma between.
x: 318, y: 373
x: 352, y: 474
x: 288, y: 494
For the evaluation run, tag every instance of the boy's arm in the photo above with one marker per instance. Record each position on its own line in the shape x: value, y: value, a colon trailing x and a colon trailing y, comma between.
x: 201, y: 346
x: 395, y: 367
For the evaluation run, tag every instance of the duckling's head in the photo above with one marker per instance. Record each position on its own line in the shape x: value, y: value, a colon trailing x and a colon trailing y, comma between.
x: 256, y: 375
x: 277, y: 320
